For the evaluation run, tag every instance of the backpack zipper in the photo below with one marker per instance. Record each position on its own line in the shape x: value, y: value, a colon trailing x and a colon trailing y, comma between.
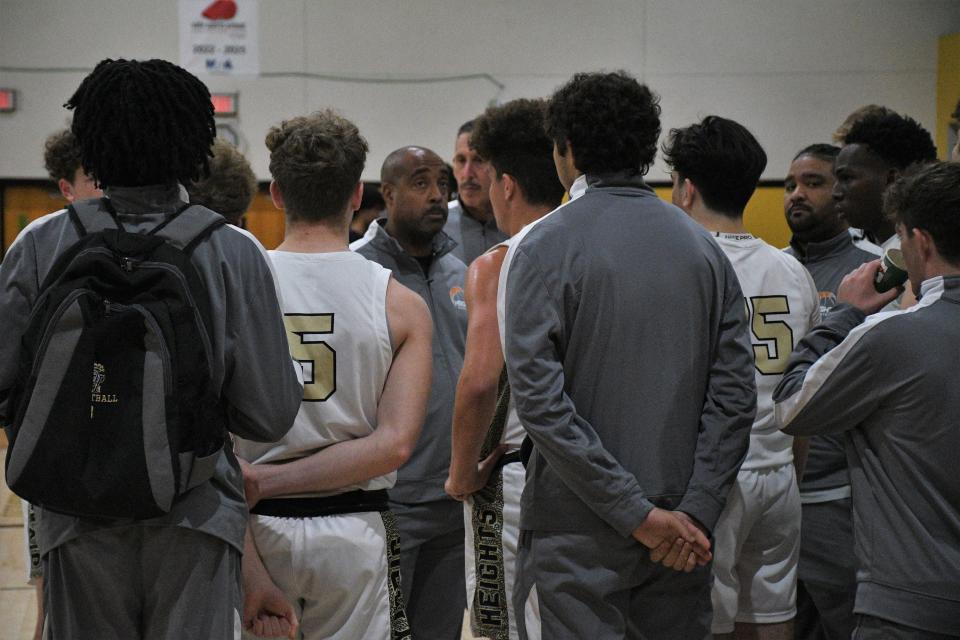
x: 46, y: 292
x: 204, y: 337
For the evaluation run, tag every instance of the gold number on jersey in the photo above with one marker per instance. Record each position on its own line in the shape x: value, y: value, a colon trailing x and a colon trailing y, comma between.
x: 777, y: 336
x: 318, y: 359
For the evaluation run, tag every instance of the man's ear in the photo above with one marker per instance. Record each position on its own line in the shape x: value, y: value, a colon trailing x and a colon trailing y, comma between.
x: 276, y: 196
x: 356, y: 197
x: 688, y: 194
x: 571, y: 156
x: 510, y: 187
x: 66, y: 189
x: 925, y: 243
x: 388, y: 191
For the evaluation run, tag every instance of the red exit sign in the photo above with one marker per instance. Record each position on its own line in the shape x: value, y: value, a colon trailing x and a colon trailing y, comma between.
x: 8, y: 100
x: 224, y: 104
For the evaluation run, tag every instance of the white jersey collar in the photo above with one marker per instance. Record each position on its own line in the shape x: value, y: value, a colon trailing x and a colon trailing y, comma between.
x: 578, y: 187
x: 931, y: 289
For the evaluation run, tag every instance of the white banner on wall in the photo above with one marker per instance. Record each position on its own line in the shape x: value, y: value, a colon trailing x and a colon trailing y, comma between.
x: 220, y: 37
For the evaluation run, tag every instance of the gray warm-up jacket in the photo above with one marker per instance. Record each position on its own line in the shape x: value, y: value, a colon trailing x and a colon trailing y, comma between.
x: 890, y: 382
x: 828, y: 262
x: 421, y: 478
x: 251, y: 364
x: 473, y: 237
x: 629, y: 362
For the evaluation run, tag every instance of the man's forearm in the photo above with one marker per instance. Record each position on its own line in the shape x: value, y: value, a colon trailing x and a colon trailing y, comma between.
x: 334, y: 467
x: 473, y: 412
x: 252, y: 567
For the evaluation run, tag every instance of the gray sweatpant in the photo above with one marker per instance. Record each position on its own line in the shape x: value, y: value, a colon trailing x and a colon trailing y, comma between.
x: 602, y: 586
x: 827, y: 572
x: 149, y: 583
x: 431, y: 567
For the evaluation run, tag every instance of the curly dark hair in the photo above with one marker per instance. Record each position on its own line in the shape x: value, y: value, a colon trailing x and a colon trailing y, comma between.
x: 611, y: 121
x: 230, y: 186
x: 316, y: 161
x: 512, y: 138
x: 61, y: 155
x: 928, y: 197
x: 840, y: 135
x: 899, y: 140
x: 721, y: 158
x: 141, y: 123
x: 825, y: 152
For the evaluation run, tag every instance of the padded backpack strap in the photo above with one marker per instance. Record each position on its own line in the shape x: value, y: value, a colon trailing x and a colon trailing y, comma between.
x: 189, y: 226
x: 91, y: 216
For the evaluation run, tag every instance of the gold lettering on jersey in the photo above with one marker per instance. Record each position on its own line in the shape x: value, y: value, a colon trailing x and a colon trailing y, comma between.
x: 775, y: 336
x: 316, y: 357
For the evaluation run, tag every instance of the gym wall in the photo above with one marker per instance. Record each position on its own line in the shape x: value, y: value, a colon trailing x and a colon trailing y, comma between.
x: 413, y: 71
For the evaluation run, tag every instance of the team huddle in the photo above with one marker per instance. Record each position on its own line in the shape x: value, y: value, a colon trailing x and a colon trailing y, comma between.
x: 555, y: 399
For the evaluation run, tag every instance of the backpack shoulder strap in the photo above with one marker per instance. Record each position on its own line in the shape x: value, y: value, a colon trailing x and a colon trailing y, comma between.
x: 189, y: 227
x: 91, y: 216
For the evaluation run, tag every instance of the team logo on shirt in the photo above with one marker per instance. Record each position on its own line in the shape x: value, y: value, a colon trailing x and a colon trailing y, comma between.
x: 828, y: 299
x: 96, y: 392
x: 97, y: 395
x: 458, y: 298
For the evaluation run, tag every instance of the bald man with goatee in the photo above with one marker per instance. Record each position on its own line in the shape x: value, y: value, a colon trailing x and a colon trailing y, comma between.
x: 411, y: 243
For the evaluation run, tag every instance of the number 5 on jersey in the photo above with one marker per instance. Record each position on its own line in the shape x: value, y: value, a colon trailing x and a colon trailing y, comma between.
x: 316, y: 357
x: 776, y: 336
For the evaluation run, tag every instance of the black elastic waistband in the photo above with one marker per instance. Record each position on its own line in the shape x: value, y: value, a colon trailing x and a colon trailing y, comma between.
x: 350, y: 502
x: 510, y: 458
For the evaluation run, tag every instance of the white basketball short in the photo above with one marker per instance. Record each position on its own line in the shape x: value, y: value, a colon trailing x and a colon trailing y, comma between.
x: 492, y: 526
x: 756, y: 549
x: 340, y: 572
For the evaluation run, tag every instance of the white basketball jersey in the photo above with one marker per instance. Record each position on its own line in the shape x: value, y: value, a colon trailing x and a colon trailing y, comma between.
x: 513, y: 432
x: 334, y: 308
x: 782, y: 304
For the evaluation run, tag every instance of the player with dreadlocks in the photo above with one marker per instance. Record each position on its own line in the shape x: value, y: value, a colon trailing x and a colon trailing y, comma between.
x: 140, y: 123
x: 143, y: 128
